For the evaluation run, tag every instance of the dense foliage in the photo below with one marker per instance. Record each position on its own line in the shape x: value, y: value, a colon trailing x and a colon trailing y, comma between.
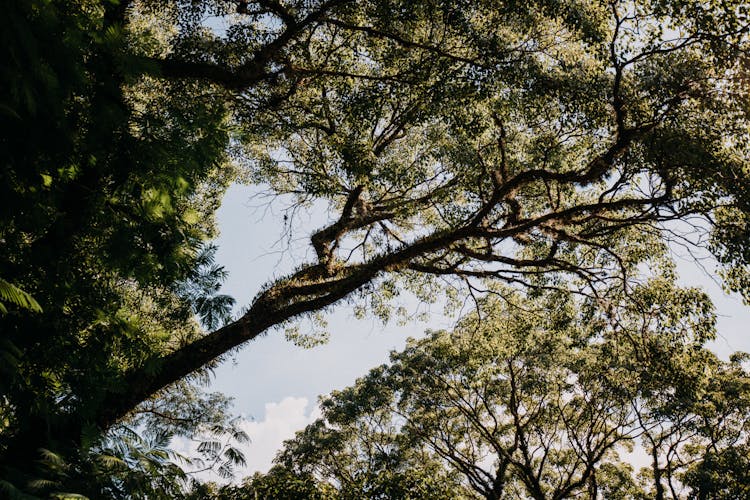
x: 463, y: 146
x: 538, y: 399
x: 106, y: 202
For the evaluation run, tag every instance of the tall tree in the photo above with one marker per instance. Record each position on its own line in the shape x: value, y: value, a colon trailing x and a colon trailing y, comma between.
x: 543, y: 144
x: 108, y: 187
x: 540, y: 399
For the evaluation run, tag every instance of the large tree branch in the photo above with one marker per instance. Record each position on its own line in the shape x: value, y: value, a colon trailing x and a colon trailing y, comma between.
x: 256, y: 69
x: 271, y: 308
x: 244, y: 76
x: 320, y: 285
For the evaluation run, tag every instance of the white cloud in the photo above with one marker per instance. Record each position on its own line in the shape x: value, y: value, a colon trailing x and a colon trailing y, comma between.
x: 280, y: 422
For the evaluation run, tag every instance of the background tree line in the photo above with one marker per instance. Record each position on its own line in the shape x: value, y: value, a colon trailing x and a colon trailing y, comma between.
x: 535, y: 397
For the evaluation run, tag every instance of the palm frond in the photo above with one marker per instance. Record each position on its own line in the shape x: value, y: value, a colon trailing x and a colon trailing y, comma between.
x: 14, y: 295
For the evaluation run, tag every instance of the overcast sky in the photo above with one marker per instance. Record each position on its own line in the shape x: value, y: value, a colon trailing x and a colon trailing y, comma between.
x: 276, y: 384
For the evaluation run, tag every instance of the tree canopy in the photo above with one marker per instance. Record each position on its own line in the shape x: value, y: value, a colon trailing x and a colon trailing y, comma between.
x: 464, y: 148
x: 537, y: 398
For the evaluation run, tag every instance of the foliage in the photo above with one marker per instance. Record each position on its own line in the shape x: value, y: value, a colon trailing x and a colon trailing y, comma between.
x: 136, y: 459
x: 462, y: 146
x: 105, y: 204
x: 14, y: 295
x: 542, y: 398
x: 200, y: 289
x: 277, y: 484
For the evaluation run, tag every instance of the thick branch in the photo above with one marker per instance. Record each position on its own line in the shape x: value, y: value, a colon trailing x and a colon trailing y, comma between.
x: 298, y: 294
x: 256, y: 69
x: 272, y: 308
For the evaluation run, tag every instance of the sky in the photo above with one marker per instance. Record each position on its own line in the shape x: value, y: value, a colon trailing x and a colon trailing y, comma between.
x: 276, y: 385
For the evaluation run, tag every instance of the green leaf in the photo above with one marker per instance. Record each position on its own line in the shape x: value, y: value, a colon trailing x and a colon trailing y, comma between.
x: 14, y: 295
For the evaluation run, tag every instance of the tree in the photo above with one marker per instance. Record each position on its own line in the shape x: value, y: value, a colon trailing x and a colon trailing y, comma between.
x: 105, y: 204
x: 542, y: 398
x: 109, y: 184
x: 543, y: 144
x: 277, y: 483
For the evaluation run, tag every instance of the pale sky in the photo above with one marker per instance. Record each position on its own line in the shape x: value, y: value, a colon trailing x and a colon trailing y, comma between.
x: 276, y: 384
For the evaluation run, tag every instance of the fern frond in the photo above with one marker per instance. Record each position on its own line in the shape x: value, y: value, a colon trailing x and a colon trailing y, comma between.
x: 14, y: 295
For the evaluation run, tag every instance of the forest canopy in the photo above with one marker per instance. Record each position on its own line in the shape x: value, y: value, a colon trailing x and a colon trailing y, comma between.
x: 467, y: 149
x: 535, y: 398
